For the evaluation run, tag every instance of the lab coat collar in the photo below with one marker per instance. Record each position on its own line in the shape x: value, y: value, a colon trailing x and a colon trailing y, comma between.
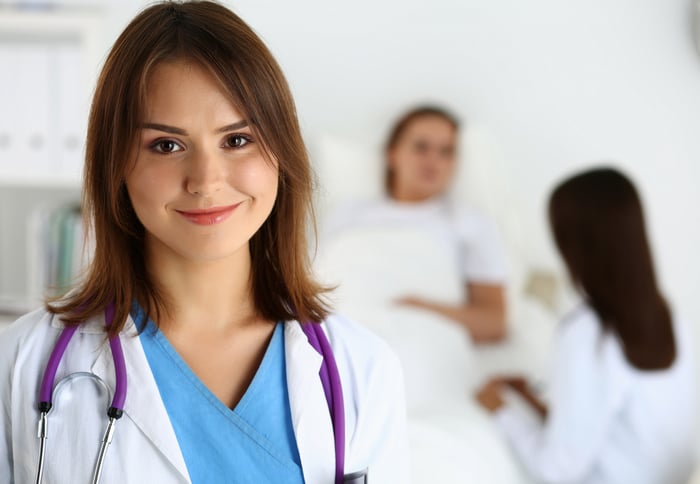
x: 310, y: 415
x: 311, y: 419
x: 96, y: 325
x: 143, y: 404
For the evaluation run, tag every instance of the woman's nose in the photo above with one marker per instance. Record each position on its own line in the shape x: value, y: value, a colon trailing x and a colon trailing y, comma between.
x: 206, y: 173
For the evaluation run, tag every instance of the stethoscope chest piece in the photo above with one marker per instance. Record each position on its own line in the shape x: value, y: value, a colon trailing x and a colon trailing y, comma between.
x: 77, y: 420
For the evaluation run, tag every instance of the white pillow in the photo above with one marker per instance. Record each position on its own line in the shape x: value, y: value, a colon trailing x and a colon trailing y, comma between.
x: 347, y: 172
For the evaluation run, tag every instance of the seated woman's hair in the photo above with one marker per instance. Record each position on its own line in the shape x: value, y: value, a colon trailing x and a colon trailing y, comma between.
x: 598, y: 226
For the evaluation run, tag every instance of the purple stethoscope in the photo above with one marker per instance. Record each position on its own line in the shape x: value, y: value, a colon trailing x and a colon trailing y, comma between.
x: 330, y: 379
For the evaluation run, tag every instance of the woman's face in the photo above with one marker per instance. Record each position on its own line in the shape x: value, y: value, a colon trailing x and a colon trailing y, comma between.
x: 200, y: 184
x: 423, y: 159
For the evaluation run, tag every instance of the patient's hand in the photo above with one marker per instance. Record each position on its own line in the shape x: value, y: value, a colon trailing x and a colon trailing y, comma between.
x: 490, y: 396
x: 518, y: 384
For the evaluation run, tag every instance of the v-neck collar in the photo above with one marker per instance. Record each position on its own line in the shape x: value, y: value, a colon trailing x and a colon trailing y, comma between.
x: 152, y: 331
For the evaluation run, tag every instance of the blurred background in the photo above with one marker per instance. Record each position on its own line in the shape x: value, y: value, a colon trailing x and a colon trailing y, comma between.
x: 543, y: 87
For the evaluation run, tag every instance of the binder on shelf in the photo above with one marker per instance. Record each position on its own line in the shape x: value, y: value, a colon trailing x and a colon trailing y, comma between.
x: 72, y: 94
x: 9, y: 85
x: 31, y: 110
x: 37, y: 234
x: 56, y: 252
x: 44, y: 97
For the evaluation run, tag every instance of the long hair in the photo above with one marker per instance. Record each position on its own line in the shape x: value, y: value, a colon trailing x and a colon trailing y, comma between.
x: 218, y: 40
x: 399, y: 128
x: 598, y: 226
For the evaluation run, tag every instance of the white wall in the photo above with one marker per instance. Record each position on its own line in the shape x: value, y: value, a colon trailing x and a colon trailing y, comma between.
x: 555, y: 85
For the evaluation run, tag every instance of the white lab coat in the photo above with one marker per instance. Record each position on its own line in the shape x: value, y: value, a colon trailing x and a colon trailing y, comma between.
x: 609, y: 422
x: 145, y: 449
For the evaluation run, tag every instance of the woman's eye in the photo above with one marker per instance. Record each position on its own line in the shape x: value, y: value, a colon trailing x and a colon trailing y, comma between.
x: 420, y: 147
x: 237, y: 141
x: 447, y: 153
x: 166, y: 146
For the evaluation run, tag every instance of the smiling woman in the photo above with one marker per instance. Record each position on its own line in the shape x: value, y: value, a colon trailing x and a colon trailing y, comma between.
x: 237, y: 370
x: 210, y: 169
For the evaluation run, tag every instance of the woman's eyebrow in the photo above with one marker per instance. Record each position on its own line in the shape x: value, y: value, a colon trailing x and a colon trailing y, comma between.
x: 233, y: 127
x: 165, y: 128
x: 174, y: 130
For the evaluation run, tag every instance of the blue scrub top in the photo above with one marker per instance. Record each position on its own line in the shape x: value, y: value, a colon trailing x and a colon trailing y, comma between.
x: 253, y: 443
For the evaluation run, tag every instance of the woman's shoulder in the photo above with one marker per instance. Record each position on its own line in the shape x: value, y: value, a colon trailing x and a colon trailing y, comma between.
x: 37, y: 331
x: 582, y: 334
x: 25, y: 327
x: 581, y: 321
x: 471, y: 219
x: 373, y: 394
x: 364, y: 360
x: 354, y: 341
x: 26, y: 338
x: 357, y: 213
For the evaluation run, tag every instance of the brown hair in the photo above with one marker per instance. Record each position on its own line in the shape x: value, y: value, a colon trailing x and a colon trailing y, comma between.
x: 598, y: 226
x: 400, y: 127
x: 218, y: 40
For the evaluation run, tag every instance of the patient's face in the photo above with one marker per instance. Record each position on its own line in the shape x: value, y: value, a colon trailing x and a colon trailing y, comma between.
x: 423, y: 159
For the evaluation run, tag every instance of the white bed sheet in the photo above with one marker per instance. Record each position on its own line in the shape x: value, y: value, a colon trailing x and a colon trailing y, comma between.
x: 452, y: 440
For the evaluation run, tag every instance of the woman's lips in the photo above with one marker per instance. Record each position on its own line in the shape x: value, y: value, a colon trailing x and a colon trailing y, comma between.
x: 208, y: 216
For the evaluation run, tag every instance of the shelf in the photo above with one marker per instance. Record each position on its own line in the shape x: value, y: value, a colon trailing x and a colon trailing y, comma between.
x: 55, y: 51
x: 48, y: 36
x: 12, y: 308
x: 81, y: 25
x: 47, y: 21
x: 58, y: 181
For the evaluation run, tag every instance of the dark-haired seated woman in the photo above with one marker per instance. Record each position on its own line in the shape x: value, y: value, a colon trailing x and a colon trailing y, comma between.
x: 622, y: 390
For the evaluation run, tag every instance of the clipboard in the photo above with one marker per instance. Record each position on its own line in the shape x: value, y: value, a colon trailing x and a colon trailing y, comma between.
x: 359, y: 477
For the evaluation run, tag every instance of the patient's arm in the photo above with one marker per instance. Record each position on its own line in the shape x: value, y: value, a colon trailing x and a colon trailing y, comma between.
x: 483, y: 315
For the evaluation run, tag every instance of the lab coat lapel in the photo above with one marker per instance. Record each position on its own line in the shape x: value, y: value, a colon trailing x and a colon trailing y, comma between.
x: 143, y: 404
x: 311, y: 419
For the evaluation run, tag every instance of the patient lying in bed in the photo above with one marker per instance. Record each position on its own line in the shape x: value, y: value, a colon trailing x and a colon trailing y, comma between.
x: 420, y: 165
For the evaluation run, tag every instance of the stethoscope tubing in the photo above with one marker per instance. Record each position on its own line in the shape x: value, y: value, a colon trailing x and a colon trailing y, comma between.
x: 46, y: 391
x: 330, y: 378
x: 115, y: 345
x: 47, y: 383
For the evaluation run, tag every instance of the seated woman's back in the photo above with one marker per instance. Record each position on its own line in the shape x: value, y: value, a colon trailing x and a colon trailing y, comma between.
x: 619, y: 423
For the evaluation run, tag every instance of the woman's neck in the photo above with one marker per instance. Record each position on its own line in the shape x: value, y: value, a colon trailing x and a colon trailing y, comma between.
x: 204, y: 294
x: 407, y: 195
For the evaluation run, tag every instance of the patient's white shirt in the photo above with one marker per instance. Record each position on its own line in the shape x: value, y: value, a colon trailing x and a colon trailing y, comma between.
x: 470, y: 237
x: 608, y: 422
